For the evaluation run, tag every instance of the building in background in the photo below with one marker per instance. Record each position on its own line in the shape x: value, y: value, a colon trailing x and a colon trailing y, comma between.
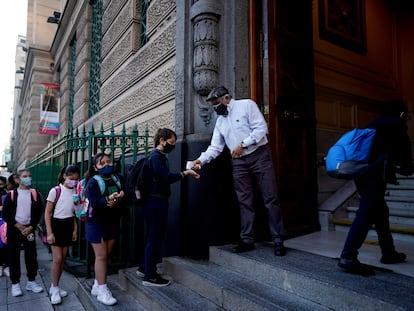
x: 316, y: 69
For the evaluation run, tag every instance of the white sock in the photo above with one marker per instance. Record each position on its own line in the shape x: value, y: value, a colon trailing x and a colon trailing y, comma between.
x: 95, y: 283
x: 103, y: 288
x: 54, y: 288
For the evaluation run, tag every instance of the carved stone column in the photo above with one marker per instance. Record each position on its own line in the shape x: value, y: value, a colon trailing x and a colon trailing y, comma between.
x: 205, y: 21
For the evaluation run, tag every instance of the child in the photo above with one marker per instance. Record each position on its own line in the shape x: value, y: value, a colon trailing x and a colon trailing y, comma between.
x: 104, y: 192
x: 22, y: 210
x: 156, y: 208
x: 3, y: 250
x: 61, y: 225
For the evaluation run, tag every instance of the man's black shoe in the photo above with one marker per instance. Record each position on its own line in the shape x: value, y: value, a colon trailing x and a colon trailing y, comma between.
x: 280, y: 249
x: 243, y: 247
x: 355, y: 267
x: 395, y: 257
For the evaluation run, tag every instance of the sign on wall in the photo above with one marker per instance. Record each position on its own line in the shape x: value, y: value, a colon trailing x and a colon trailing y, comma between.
x: 49, y: 109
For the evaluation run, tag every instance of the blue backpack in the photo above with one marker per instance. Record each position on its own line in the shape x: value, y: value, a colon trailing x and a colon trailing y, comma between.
x: 348, y: 157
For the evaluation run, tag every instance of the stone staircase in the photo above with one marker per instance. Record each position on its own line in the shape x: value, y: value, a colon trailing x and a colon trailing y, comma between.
x: 400, y: 200
x: 256, y: 280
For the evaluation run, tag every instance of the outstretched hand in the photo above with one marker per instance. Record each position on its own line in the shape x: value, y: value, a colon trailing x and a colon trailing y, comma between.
x: 192, y: 173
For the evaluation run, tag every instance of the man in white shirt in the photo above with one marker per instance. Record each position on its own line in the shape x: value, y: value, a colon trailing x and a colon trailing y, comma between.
x: 241, y: 126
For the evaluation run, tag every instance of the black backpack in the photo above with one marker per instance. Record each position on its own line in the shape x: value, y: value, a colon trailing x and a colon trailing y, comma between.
x: 137, y: 184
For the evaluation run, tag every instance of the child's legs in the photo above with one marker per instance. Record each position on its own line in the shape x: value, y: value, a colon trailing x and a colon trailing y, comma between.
x: 59, y: 255
x: 30, y: 258
x: 102, y: 251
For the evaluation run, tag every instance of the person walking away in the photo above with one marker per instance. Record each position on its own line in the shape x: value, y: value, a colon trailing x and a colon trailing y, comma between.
x: 22, y: 210
x: 61, y: 225
x: 241, y: 126
x: 156, y: 207
x: 392, y: 145
x: 104, y: 192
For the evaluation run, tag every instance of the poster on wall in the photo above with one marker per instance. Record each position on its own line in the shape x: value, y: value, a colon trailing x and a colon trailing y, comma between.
x: 49, y: 109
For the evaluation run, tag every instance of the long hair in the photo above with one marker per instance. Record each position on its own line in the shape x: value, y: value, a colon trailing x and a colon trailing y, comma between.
x: 95, y: 160
x: 163, y: 133
x: 68, y: 170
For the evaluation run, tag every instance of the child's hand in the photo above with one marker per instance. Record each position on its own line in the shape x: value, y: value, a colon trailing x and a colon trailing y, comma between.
x: 192, y: 173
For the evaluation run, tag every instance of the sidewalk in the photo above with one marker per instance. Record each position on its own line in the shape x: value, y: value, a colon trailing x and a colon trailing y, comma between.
x: 33, y: 302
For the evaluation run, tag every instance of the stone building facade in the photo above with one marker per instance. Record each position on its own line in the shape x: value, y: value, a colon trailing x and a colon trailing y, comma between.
x: 152, y: 63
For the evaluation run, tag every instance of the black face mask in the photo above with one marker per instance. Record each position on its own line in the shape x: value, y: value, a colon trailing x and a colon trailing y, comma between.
x: 168, y: 148
x: 221, y: 110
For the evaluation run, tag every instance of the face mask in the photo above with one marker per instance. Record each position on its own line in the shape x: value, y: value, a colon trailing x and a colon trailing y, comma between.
x: 106, y: 171
x: 71, y: 183
x: 221, y: 110
x: 168, y: 148
x: 26, y: 181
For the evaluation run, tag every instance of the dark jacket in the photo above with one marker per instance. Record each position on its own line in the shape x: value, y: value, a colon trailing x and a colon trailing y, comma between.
x: 98, y: 211
x: 159, y: 173
x: 393, y: 144
x: 9, y: 209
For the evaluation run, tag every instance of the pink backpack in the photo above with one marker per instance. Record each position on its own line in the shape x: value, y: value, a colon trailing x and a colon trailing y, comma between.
x: 3, y: 233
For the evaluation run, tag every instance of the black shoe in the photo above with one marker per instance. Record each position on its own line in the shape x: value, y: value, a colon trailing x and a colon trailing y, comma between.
x: 242, y: 247
x: 395, y: 257
x: 355, y: 267
x: 155, y: 281
x: 280, y: 249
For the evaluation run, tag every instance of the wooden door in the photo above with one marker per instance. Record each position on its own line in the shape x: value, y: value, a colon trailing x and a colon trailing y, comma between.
x: 282, y: 82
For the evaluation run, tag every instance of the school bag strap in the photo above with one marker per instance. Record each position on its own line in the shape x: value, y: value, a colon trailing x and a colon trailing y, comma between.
x: 101, y: 182
x: 33, y: 192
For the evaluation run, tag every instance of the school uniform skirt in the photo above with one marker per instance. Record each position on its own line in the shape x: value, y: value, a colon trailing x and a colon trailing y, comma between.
x: 63, y: 231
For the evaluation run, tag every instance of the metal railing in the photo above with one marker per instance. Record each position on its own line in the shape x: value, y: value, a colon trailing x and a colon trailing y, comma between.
x: 79, y: 148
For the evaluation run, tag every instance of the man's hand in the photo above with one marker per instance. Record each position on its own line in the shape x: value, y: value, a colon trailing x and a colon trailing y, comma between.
x: 236, y: 153
x: 196, y: 165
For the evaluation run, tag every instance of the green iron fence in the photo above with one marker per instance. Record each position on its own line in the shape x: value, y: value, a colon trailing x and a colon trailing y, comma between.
x: 78, y: 148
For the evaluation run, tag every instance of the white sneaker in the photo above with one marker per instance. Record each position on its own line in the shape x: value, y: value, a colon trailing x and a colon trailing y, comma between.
x: 16, y: 290
x: 95, y: 290
x: 55, y: 298
x: 62, y: 292
x: 34, y: 287
x: 106, y: 298
x: 6, y: 271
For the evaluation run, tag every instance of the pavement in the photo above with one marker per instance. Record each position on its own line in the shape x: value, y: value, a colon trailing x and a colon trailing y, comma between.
x: 327, y: 244
x: 40, y: 302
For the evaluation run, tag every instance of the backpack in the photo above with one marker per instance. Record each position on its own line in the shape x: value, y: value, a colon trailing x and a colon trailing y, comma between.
x: 137, y: 187
x: 3, y: 233
x: 348, y: 157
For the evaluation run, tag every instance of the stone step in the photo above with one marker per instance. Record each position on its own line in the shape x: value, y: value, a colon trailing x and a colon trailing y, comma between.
x: 126, y: 302
x: 399, y: 231
x: 232, y: 291
x: 173, y: 297
x: 398, y: 217
x: 318, y: 279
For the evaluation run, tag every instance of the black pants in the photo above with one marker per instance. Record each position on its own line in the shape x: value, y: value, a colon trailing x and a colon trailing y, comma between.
x: 14, y: 241
x: 372, y: 210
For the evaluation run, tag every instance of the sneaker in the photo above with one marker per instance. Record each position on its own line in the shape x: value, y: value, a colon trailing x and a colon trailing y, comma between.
x: 62, y: 292
x: 140, y: 272
x: 395, y: 257
x: 95, y: 290
x: 6, y: 271
x: 16, y: 290
x: 355, y: 267
x: 106, y: 297
x: 55, y: 298
x: 34, y: 287
x: 155, y: 281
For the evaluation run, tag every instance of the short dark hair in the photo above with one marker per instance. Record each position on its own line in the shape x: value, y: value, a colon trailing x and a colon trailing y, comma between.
x: 217, y: 92
x: 164, y: 133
